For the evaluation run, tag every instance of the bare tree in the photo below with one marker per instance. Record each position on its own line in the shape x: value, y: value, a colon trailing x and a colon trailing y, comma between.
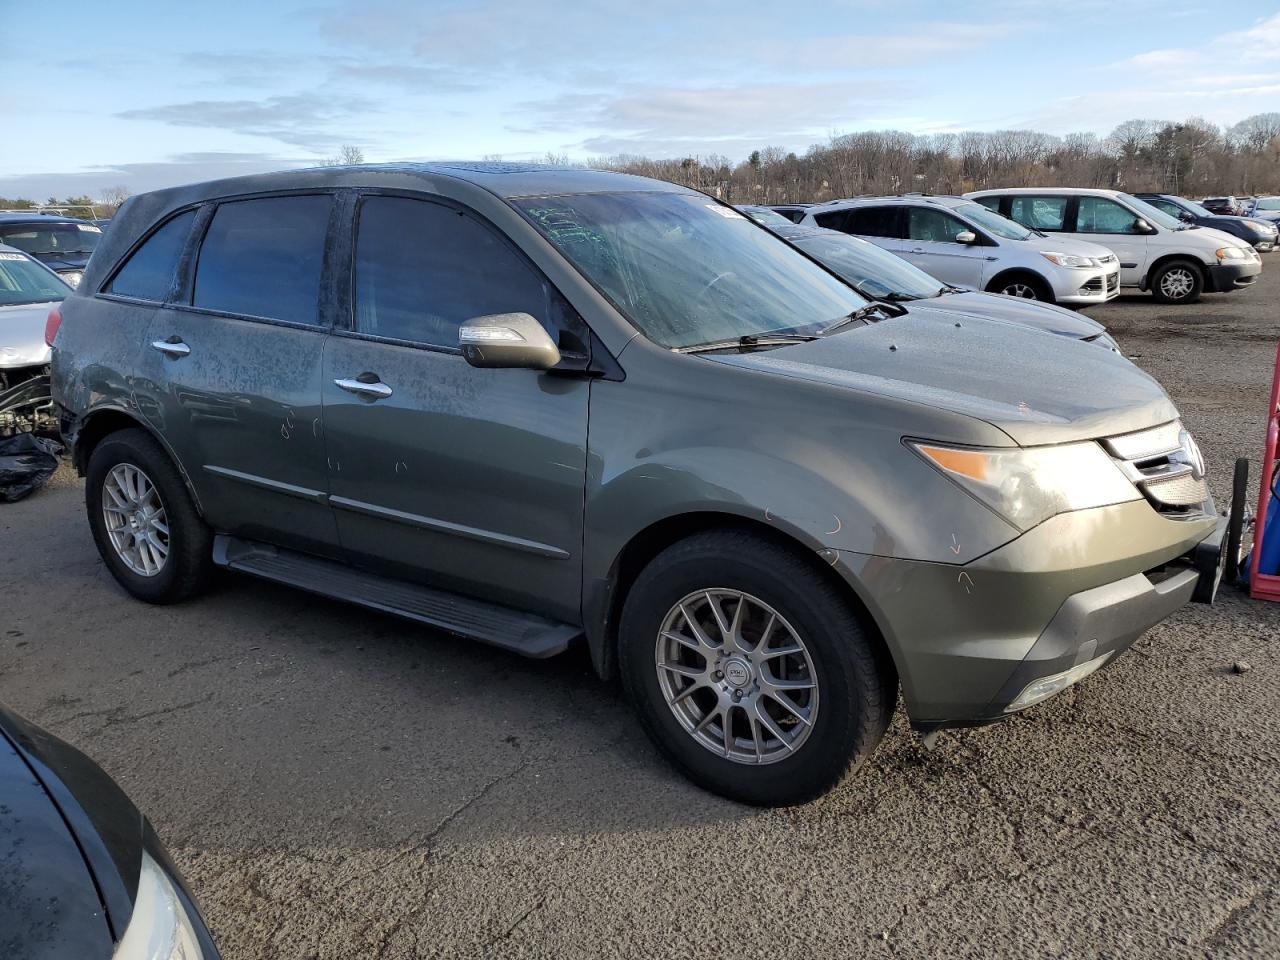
x: 348, y: 155
x: 113, y: 197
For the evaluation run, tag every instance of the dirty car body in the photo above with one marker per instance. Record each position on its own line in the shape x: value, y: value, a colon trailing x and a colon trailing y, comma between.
x: 28, y: 291
x: 979, y: 510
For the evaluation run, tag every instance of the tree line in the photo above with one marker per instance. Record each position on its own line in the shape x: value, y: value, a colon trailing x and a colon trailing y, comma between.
x: 1193, y: 158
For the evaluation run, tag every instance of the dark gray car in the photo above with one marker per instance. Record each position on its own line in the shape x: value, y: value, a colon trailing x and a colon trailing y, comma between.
x: 534, y: 406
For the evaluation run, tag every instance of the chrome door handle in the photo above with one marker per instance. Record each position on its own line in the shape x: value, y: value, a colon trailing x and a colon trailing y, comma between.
x: 374, y: 391
x: 171, y: 348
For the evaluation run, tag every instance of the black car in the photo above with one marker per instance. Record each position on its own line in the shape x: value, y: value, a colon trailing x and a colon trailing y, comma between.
x: 1257, y: 233
x: 82, y: 874
x: 63, y: 244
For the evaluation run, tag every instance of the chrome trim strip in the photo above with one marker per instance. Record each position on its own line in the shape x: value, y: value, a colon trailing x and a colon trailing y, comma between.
x: 275, y: 486
x: 444, y: 526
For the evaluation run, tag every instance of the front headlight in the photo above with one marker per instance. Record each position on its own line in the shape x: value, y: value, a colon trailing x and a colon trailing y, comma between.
x: 1027, y: 485
x: 1070, y: 260
x: 1231, y: 253
x: 72, y: 277
x: 159, y: 928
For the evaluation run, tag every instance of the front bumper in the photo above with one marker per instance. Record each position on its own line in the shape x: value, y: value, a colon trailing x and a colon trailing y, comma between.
x: 967, y: 639
x: 1224, y: 277
x: 1087, y: 288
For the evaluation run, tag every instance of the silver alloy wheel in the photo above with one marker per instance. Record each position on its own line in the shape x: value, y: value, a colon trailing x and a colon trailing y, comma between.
x: 135, y: 518
x: 1023, y: 290
x: 1177, y: 283
x: 737, y: 676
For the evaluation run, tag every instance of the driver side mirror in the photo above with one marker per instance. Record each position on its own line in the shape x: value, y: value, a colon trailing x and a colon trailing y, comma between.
x: 966, y: 236
x: 1141, y: 226
x: 507, y: 340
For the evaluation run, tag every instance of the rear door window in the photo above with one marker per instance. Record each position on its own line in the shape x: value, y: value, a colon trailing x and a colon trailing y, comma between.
x: 933, y: 226
x: 834, y: 220
x: 263, y: 258
x: 991, y: 203
x: 1039, y: 213
x: 148, y: 274
x: 874, y: 222
x: 423, y: 269
x: 1100, y: 215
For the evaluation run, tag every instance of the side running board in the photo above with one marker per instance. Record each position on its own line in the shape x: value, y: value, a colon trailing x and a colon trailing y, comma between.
x: 514, y: 630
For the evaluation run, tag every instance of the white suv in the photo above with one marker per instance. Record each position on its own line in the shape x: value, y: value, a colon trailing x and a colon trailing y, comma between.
x: 965, y: 244
x: 1157, y: 252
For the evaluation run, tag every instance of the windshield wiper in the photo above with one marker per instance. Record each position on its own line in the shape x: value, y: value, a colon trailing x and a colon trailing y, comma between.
x: 748, y: 342
x: 863, y: 314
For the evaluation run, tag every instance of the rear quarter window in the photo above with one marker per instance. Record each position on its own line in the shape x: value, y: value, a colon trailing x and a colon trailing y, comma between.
x: 263, y: 258
x: 148, y: 273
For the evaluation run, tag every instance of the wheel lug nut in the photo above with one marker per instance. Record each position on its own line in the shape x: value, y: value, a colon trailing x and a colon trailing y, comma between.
x: 719, y: 675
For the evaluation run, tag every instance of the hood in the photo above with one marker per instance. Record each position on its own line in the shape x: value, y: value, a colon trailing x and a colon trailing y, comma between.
x: 1057, y: 243
x: 22, y: 335
x: 1037, y: 389
x: 49, y: 905
x: 1028, y: 313
x: 103, y: 821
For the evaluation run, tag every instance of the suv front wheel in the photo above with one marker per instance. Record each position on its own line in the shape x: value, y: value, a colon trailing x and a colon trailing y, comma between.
x: 750, y: 670
x: 1178, y: 281
x: 144, y: 522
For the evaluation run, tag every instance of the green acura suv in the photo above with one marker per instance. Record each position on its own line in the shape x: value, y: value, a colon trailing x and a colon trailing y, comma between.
x: 535, y: 407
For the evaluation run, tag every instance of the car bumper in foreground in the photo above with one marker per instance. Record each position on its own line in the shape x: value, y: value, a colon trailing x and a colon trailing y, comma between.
x: 1231, y: 276
x: 1074, y: 592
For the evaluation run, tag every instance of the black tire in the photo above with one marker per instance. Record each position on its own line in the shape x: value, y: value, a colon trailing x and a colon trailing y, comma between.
x: 1028, y: 286
x: 187, y: 568
x: 856, y: 683
x: 1188, y: 277
x: 1235, y: 523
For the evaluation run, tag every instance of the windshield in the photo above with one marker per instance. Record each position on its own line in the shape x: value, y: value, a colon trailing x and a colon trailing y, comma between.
x: 766, y: 217
x: 1268, y: 203
x: 869, y: 269
x: 1193, y: 208
x: 992, y: 222
x: 22, y: 280
x: 67, y: 239
x: 686, y: 270
x: 1151, y: 214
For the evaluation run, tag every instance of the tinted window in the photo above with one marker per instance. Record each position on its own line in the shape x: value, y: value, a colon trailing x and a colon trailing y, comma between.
x: 834, y: 220
x: 991, y: 203
x: 873, y: 222
x: 263, y: 258
x: 1100, y: 215
x: 148, y: 273
x: 1041, y: 213
x: 423, y: 269
x: 933, y: 226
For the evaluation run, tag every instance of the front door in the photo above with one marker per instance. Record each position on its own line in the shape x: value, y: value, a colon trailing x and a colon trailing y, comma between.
x: 232, y: 376
x: 467, y: 479
x: 1102, y: 220
x: 932, y: 246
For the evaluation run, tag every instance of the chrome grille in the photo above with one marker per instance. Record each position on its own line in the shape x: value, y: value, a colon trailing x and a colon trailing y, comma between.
x: 1164, y: 463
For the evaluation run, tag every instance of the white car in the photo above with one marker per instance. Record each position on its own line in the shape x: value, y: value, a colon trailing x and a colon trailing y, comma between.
x: 1158, y: 253
x: 963, y: 243
x: 28, y: 290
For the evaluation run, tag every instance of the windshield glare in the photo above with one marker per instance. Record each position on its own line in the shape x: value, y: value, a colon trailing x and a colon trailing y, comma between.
x: 51, y: 238
x: 873, y: 271
x: 686, y: 270
x: 992, y: 222
x: 22, y: 280
x: 1151, y: 214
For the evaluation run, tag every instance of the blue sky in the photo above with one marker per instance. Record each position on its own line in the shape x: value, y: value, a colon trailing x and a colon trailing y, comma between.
x: 162, y: 93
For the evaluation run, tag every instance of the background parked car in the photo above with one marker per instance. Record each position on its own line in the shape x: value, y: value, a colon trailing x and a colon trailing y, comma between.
x: 1226, y: 206
x: 61, y: 243
x: 1266, y: 208
x: 792, y: 211
x: 963, y: 243
x: 881, y: 275
x: 84, y: 875
x: 28, y: 290
x: 1157, y: 252
x: 1259, y: 234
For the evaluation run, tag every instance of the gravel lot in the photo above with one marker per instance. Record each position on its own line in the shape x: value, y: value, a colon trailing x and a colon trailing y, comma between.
x: 338, y: 784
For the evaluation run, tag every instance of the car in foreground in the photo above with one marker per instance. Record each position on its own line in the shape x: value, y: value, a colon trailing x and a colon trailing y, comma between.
x: 63, y: 244
x: 1159, y: 254
x: 1266, y: 208
x: 85, y: 875
x: 878, y: 274
x: 963, y: 243
x: 536, y: 406
x: 1259, y: 234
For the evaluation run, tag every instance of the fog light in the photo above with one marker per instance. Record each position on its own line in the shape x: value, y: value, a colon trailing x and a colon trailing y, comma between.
x: 1046, y: 687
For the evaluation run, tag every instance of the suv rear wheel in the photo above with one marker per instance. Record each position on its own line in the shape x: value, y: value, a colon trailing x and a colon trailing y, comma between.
x: 1178, y: 281
x: 144, y: 522
x: 750, y: 670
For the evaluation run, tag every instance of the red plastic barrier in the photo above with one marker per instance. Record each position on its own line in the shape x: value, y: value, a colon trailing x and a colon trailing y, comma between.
x: 1266, y: 586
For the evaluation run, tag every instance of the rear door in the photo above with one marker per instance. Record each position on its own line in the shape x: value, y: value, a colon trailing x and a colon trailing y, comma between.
x: 232, y: 376
x: 467, y: 479
x: 882, y: 225
x: 1102, y: 220
x: 932, y: 246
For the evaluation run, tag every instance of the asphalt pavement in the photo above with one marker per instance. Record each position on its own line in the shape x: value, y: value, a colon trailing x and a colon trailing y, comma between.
x: 339, y: 784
